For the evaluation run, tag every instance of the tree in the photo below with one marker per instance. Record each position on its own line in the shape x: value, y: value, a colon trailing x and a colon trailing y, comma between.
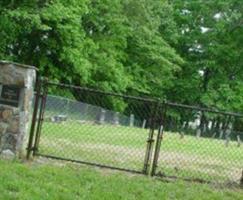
x: 152, y: 62
x: 46, y: 34
x: 210, y: 43
x: 113, y: 45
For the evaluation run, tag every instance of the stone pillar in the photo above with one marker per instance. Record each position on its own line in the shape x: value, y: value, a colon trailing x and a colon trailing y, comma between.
x: 16, y: 95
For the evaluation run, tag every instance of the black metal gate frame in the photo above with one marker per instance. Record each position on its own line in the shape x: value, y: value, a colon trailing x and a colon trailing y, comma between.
x: 160, y: 134
x: 152, y: 152
x: 38, y: 117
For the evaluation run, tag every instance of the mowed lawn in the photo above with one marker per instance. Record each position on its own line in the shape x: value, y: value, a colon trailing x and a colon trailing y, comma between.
x: 33, y: 181
x: 125, y: 147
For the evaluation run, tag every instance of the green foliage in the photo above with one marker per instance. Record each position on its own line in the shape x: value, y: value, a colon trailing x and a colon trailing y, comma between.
x: 181, y: 50
x: 210, y: 41
x: 114, y: 45
x: 48, y: 36
x: 151, y: 62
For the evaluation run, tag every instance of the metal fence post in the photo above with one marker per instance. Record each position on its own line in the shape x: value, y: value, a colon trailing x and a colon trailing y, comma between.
x: 41, y: 117
x: 150, y: 140
x: 157, y: 150
x: 34, y: 117
x: 159, y: 140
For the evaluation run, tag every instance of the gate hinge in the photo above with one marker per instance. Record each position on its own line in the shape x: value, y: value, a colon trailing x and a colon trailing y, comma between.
x: 150, y: 140
x: 32, y: 149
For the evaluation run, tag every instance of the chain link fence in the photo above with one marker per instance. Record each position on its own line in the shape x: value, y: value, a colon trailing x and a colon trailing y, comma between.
x: 167, y: 140
x: 96, y: 128
x: 199, y: 145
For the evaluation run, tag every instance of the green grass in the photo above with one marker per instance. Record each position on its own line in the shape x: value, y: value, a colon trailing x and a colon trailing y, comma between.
x: 125, y: 147
x: 19, y: 181
x: 115, y: 146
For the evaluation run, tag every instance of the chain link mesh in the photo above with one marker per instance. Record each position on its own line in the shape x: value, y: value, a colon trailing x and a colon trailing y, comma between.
x: 96, y: 128
x: 118, y: 131
x: 201, y: 146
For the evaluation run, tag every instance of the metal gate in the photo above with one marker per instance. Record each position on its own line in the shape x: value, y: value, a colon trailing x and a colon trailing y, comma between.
x: 92, y: 127
x: 118, y: 131
x: 199, y: 144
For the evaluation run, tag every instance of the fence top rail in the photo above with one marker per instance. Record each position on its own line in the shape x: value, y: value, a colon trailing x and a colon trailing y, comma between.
x: 204, y: 109
x: 150, y: 100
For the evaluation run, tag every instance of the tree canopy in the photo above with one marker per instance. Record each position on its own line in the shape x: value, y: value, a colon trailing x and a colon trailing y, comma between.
x: 179, y: 50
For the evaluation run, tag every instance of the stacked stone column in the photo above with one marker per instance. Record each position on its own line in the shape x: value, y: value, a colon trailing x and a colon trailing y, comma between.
x: 14, y: 119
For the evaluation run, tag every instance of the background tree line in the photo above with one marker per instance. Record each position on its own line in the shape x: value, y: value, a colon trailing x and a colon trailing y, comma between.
x: 180, y: 50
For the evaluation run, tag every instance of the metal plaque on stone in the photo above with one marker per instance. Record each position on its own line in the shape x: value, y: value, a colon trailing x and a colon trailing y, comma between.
x: 10, y: 95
